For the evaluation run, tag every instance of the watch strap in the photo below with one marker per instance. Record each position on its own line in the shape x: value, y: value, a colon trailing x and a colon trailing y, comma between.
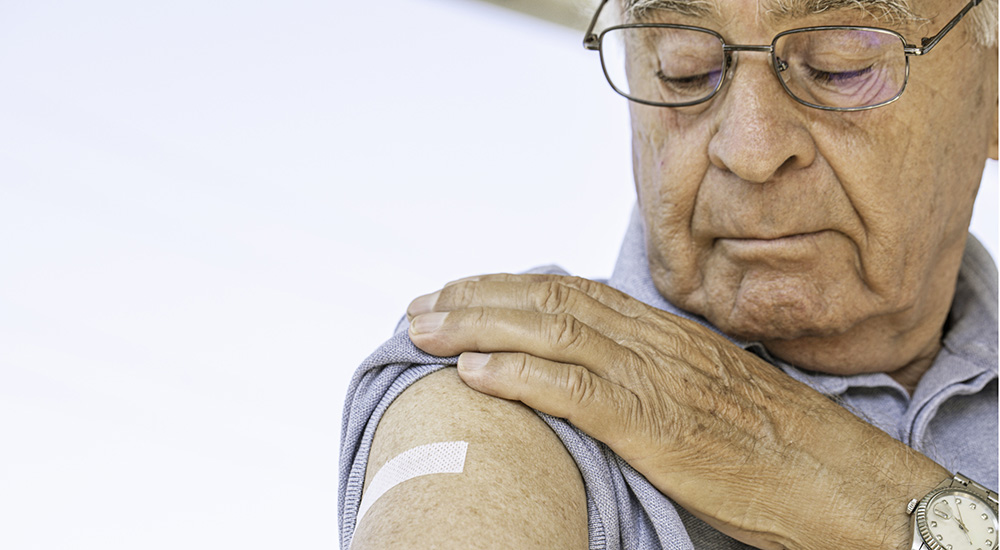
x: 960, y: 480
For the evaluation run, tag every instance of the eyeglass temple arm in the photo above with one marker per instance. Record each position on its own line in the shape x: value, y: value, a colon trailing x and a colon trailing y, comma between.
x: 593, y: 42
x: 927, y: 43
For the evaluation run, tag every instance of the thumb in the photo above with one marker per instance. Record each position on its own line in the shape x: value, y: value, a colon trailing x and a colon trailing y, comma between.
x: 595, y: 405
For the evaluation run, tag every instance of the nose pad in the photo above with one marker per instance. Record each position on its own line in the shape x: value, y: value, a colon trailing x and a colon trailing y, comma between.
x: 730, y: 70
x: 731, y: 59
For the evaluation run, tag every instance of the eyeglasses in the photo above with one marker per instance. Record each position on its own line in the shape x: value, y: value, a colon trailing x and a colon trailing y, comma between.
x: 835, y: 68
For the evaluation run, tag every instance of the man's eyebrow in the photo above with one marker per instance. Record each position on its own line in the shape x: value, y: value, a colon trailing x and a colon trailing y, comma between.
x: 885, y: 11
x: 636, y: 9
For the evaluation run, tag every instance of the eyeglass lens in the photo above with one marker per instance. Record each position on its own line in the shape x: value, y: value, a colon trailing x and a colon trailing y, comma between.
x: 839, y: 68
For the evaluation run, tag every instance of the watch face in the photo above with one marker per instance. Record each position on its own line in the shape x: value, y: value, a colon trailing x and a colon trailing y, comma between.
x: 953, y: 519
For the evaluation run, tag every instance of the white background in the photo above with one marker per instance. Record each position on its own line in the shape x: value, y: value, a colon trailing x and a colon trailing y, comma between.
x: 211, y: 212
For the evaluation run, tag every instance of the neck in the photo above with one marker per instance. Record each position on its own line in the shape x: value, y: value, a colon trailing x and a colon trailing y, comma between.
x: 902, y: 344
x: 871, y: 347
x: 910, y: 375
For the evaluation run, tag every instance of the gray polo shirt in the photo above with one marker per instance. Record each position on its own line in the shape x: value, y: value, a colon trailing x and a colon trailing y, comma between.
x: 951, y: 417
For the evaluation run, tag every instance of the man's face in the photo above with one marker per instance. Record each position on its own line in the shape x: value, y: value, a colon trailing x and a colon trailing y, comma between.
x: 819, y: 233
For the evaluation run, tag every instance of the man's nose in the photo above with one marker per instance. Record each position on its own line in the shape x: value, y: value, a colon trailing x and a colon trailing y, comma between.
x: 759, y: 131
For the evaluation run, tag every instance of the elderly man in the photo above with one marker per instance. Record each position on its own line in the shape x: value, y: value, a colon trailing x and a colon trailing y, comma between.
x: 798, y: 346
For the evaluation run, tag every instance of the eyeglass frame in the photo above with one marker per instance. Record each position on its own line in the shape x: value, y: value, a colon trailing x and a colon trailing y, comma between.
x: 593, y: 41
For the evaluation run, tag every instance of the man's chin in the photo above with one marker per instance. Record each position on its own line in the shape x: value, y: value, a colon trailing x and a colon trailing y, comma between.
x: 762, y: 305
x: 781, y: 320
x: 807, y: 342
x: 776, y: 328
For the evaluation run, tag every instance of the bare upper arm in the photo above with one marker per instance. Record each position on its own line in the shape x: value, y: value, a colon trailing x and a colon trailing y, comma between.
x: 520, y: 487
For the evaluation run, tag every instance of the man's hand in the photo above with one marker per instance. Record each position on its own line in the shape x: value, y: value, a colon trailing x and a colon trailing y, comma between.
x: 731, y: 438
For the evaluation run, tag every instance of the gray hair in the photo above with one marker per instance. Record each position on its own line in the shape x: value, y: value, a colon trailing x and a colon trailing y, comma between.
x: 982, y: 22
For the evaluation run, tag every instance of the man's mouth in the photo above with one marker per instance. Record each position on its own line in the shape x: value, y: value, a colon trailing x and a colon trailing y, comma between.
x: 789, y: 245
x: 789, y: 236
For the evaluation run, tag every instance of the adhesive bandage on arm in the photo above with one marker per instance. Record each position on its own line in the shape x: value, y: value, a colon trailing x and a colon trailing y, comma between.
x: 435, y: 458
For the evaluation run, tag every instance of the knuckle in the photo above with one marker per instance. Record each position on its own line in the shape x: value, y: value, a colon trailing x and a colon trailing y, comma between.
x: 566, y: 331
x: 553, y: 296
x: 521, y: 368
x: 477, y: 316
x: 582, y: 284
x: 581, y: 386
x: 594, y: 289
x: 458, y: 294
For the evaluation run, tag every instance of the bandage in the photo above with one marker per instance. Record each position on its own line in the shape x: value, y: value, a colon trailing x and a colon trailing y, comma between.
x: 436, y: 458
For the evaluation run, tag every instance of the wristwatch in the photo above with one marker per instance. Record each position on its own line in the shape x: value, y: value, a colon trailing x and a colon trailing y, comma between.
x: 958, y: 514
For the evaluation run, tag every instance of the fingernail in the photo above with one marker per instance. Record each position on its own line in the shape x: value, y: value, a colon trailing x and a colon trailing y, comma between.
x: 423, y: 304
x: 428, y: 322
x: 471, y: 360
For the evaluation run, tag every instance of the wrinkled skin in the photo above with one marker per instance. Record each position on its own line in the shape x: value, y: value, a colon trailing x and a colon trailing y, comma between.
x: 824, y: 235
x: 734, y: 440
x: 832, y: 238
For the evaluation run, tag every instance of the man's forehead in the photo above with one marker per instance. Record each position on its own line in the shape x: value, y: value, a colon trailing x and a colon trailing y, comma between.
x: 887, y: 11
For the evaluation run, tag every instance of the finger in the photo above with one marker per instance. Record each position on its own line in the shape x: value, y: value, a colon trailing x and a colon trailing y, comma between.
x: 610, y: 297
x: 425, y: 303
x: 593, y: 404
x: 551, y: 297
x: 542, y: 293
x: 548, y: 294
x: 558, y: 337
